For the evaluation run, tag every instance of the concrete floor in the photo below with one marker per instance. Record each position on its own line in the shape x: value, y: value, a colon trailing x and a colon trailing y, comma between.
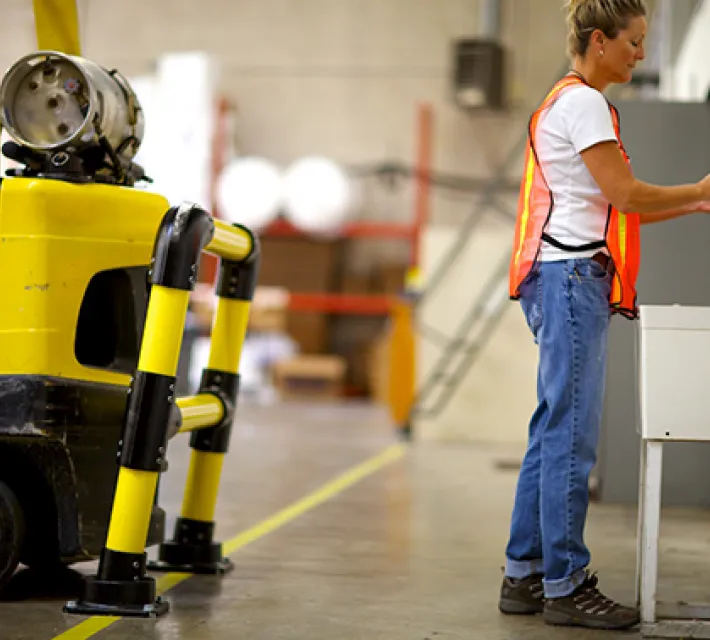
x: 411, y: 552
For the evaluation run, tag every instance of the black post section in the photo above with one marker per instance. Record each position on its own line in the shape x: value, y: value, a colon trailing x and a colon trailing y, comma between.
x: 226, y: 387
x: 237, y: 280
x: 184, y: 232
x: 149, y: 412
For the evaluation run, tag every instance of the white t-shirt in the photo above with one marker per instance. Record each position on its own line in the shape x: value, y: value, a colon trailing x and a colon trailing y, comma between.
x: 578, y: 120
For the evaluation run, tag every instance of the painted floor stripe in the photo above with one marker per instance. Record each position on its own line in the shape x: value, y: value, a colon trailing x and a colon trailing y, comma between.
x: 94, y: 625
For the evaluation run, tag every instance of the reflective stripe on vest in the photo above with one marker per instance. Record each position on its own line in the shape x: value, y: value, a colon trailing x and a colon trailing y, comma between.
x: 622, y: 236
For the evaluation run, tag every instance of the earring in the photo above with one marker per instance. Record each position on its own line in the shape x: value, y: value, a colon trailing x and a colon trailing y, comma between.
x: 601, y: 53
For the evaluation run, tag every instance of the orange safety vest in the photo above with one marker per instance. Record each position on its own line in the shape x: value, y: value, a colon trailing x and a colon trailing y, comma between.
x: 622, y: 237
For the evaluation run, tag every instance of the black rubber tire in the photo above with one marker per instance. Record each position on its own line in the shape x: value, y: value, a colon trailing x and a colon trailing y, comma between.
x: 12, y: 531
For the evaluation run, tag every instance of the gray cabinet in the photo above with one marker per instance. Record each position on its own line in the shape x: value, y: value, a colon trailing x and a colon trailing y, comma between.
x: 669, y: 143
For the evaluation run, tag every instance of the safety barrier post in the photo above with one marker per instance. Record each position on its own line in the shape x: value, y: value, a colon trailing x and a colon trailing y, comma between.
x: 121, y: 586
x: 192, y: 549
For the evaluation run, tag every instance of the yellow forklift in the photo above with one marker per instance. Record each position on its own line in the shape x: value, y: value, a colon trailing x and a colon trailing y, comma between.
x: 97, y: 276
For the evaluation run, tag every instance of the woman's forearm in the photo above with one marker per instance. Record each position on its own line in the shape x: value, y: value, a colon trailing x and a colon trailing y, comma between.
x: 668, y: 214
x: 645, y: 198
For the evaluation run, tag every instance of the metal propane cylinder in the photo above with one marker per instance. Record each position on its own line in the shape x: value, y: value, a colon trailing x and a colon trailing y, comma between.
x: 52, y: 102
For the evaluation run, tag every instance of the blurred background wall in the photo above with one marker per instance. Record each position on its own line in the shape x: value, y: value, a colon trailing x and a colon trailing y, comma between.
x: 344, y: 79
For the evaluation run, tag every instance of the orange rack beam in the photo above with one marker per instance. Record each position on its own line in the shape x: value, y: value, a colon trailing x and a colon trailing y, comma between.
x: 340, y: 303
x: 284, y: 228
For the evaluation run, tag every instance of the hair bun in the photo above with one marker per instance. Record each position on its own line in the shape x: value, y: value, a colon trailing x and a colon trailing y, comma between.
x: 573, y: 5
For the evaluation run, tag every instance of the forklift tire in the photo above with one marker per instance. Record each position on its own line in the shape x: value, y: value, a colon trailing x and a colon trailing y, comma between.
x: 12, y: 525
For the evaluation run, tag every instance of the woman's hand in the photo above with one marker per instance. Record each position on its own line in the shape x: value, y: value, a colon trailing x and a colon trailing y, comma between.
x: 704, y: 185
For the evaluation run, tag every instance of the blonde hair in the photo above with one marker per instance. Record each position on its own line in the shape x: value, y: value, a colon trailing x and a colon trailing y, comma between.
x: 610, y: 16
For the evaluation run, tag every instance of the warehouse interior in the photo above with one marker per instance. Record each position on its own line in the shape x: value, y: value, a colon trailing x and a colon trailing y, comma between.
x: 374, y: 151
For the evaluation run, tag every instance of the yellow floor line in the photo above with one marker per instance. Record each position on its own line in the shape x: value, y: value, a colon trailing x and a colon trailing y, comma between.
x: 347, y: 479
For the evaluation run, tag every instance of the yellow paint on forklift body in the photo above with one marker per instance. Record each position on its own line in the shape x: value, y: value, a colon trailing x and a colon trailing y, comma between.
x: 54, y: 238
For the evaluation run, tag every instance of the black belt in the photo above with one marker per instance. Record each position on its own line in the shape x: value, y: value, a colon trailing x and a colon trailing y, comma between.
x: 602, y: 258
x: 598, y: 244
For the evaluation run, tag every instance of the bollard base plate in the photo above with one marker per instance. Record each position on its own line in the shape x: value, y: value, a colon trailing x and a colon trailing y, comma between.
x: 191, y: 559
x: 192, y: 550
x: 135, y: 599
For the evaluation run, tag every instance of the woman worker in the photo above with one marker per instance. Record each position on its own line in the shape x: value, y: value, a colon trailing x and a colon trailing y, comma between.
x: 574, y: 263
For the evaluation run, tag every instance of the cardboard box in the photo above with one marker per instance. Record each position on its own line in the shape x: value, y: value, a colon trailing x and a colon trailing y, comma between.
x: 389, y: 278
x: 267, y: 320
x: 300, y: 264
x: 310, y: 377
x: 268, y: 313
x: 303, y: 265
x: 356, y: 282
x: 310, y: 330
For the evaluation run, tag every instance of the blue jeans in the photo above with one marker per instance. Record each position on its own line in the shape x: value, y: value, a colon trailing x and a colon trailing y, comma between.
x: 566, y: 305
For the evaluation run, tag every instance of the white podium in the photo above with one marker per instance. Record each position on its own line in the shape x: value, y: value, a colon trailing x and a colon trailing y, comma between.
x: 674, y: 390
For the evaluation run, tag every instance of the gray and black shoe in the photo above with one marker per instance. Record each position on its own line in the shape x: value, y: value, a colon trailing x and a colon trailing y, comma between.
x: 523, y: 596
x: 588, y: 607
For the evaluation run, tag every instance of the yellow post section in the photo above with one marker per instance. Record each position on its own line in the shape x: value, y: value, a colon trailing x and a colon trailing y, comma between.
x: 132, y: 506
x: 202, y: 485
x: 57, y: 26
x: 230, y: 243
x: 202, y: 410
x: 228, y: 331
x: 164, y: 327
x: 402, y: 362
x: 160, y: 349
